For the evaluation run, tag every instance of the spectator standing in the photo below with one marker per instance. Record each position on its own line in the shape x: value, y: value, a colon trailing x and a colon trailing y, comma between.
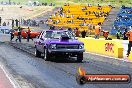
x: 118, y: 34
x: 12, y: 23
x: 19, y: 35
x: 90, y: 28
x: 83, y: 33
x: 77, y: 32
x: 97, y: 30
x: 8, y: 23
x: 16, y: 22
x: 28, y: 22
x: 4, y: 24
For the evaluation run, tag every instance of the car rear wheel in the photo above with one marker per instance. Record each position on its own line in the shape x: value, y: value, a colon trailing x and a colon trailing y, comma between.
x: 46, y: 55
x: 37, y: 53
x: 80, y: 57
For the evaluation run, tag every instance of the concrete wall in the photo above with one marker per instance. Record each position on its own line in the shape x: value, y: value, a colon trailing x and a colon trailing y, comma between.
x: 112, y: 48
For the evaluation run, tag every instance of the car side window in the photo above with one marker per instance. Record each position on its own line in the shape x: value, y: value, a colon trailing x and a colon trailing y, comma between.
x: 48, y: 34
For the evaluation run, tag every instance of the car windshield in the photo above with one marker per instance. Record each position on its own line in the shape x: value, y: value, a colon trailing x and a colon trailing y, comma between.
x: 57, y: 34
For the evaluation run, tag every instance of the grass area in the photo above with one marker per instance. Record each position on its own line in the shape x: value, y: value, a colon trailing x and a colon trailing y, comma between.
x: 105, y: 2
x: 116, y: 3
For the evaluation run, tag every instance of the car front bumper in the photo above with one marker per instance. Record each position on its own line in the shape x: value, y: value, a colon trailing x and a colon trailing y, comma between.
x: 66, y: 50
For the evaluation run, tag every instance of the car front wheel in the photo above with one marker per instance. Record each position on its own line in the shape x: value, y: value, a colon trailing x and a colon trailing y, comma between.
x: 37, y: 53
x: 46, y: 55
x: 80, y: 57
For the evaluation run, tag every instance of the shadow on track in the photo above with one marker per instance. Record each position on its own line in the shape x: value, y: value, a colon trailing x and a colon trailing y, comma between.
x: 63, y: 60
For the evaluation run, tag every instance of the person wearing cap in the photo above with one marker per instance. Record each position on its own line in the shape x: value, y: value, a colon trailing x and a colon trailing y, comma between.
x: 129, y: 35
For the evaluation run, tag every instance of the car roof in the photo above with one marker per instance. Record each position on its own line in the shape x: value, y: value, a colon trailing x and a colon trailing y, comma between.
x: 56, y: 30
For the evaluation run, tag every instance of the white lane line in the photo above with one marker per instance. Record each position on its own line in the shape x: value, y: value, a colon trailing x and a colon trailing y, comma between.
x: 10, y: 77
x: 121, y: 59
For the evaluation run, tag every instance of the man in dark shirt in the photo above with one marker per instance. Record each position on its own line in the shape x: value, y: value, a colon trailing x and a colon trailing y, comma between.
x: 83, y: 34
x: 12, y: 35
x: 19, y: 35
x: 12, y: 23
x: 124, y: 35
x: 16, y: 22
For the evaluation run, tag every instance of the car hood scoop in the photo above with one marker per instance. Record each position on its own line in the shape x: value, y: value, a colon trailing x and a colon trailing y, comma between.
x: 64, y: 38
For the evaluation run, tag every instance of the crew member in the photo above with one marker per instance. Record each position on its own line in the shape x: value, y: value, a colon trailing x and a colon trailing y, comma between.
x: 124, y: 35
x: 19, y: 35
x: 129, y: 34
x: 28, y: 34
x: 105, y: 34
x: 12, y: 35
x: 97, y: 30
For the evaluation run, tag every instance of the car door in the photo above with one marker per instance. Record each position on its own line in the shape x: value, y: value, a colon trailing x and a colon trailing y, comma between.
x: 37, y: 42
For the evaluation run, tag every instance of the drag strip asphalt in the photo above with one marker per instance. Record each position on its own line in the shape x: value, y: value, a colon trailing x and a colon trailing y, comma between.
x: 37, y: 73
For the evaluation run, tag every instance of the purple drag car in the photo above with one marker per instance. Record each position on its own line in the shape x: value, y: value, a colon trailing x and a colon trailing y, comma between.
x: 53, y: 43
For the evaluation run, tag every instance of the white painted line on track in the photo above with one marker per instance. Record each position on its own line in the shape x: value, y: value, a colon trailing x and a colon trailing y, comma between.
x: 10, y: 77
x: 121, y: 59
